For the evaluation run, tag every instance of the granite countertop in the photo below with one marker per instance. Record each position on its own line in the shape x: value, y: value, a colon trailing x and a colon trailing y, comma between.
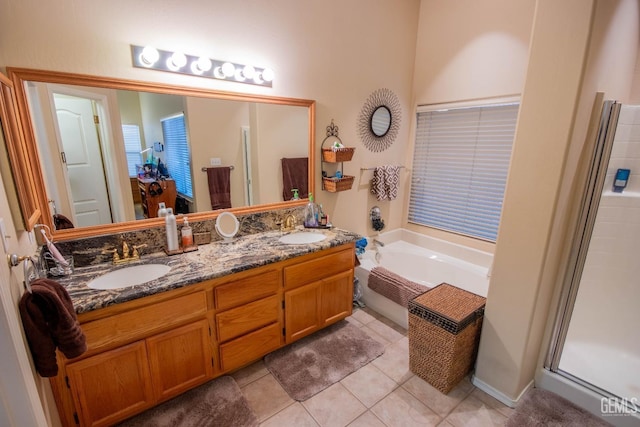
x: 208, y: 262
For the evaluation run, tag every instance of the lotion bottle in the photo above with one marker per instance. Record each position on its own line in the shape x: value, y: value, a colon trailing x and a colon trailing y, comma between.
x: 172, y: 231
x: 187, y: 234
x: 311, y: 213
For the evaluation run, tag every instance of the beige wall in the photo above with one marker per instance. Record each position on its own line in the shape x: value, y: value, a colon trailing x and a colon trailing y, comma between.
x: 468, y: 50
x: 227, y: 117
x: 471, y: 49
x: 339, y: 52
x: 332, y: 51
x: 278, y: 130
x: 577, y: 49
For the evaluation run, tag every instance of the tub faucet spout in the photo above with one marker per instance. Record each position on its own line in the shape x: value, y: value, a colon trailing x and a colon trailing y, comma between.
x: 378, y: 242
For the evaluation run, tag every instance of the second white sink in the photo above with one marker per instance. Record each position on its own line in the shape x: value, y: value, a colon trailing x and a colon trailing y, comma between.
x: 302, y: 238
x: 129, y: 276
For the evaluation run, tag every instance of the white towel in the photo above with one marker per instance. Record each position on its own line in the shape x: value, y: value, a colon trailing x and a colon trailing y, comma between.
x: 385, y: 182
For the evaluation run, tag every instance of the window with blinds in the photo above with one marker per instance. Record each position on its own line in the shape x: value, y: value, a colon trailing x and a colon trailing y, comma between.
x: 177, y: 155
x: 132, y: 148
x: 460, y: 164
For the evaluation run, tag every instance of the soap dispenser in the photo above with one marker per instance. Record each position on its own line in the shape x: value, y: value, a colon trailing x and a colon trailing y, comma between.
x: 187, y: 234
x: 311, y: 213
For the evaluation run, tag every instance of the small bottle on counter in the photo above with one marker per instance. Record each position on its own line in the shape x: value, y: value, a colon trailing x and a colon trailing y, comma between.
x: 323, y: 217
x: 172, y: 231
x: 162, y: 210
x: 187, y: 234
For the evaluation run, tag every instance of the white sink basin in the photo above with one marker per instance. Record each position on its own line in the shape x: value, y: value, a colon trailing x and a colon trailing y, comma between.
x: 129, y: 276
x: 302, y: 238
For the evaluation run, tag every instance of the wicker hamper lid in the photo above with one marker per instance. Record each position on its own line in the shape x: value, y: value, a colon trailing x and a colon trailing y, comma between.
x: 447, y: 306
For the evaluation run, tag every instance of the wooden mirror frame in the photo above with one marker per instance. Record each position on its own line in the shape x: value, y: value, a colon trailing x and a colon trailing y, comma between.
x: 18, y: 156
x: 30, y: 165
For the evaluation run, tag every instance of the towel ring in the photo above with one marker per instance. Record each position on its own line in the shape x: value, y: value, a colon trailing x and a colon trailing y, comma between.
x: 28, y: 265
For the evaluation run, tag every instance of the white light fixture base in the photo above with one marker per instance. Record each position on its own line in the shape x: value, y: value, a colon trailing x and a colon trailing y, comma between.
x: 199, y: 66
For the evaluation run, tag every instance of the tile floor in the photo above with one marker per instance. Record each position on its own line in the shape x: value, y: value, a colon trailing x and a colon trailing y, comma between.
x: 382, y: 393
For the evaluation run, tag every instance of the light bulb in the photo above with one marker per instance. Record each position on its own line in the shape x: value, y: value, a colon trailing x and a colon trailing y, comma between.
x: 218, y: 74
x: 149, y: 56
x: 248, y: 71
x: 257, y: 78
x: 239, y: 76
x: 176, y: 61
x: 267, y: 75
x: 228, y: 69
x: 202, y: 65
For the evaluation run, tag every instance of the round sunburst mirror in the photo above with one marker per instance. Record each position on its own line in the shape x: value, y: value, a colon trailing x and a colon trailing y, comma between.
x: 379, y: 120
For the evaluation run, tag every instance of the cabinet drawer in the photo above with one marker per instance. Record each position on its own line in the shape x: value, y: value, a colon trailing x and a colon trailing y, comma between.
x: 247, y: 289
x: 237, y: 321
x: 144, y: 321
x: 250, y: 347
x: 318, y: 268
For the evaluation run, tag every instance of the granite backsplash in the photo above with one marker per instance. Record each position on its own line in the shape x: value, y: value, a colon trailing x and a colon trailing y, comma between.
x: 89, y: 251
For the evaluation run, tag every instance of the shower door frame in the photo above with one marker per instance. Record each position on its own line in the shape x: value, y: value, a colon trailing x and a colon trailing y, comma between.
x: 590, y: 203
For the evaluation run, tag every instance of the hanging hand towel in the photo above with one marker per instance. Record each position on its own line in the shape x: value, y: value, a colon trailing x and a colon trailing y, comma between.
x: 392, y: 180
x: 50, y: 321
x: 219, y: 180
x: 295, y: 174
x: 385, y: 182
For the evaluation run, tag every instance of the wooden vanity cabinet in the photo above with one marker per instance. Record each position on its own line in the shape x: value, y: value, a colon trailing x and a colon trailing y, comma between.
x: 180, y: 359
x: 110, y: 386
x: 139, y: 354
x: 318, y: 292
x: 249, y: 316
x: 144, y: 352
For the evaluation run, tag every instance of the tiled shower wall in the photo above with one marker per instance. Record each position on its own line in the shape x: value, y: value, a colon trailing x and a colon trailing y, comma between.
x: 609, y: 291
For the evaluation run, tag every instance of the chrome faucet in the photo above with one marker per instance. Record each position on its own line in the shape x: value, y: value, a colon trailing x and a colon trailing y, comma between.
x: 378, y: 242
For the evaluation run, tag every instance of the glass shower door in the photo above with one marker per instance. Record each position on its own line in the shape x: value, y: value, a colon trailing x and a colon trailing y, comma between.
x: 598, y: 344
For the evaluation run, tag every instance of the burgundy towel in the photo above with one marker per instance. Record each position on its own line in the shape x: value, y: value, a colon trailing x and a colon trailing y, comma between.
x: 395, y: 287
x: 219, y: 187
x: 295, y: 174
x: 50, y: 321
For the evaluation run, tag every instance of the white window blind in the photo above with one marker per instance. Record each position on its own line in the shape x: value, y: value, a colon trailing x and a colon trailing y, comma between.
x: 132, y: 147
x: 460, y: 166
x: 177, y: 155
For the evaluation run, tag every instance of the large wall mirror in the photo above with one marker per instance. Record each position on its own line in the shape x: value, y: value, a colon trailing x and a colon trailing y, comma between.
x: 105, y: 151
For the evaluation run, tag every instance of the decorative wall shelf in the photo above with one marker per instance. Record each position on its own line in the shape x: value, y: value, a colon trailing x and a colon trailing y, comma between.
x: 336, y: 155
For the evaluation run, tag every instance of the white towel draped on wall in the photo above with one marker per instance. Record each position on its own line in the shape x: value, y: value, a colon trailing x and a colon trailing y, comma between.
x: 385, y: 182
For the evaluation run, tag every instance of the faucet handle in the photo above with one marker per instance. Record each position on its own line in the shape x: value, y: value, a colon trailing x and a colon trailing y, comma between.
x: 135, y: 253
x: 116, y: 257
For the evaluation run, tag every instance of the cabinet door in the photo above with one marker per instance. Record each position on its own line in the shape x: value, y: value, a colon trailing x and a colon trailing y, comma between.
x: 302, y: 311
x: 180, y: 359
x: 111, y: 386
x: 336, y: 297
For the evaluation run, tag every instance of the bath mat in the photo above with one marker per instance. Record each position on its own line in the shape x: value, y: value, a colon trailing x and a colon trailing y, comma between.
x: 216, y: 403
x: 543, y: 408
x: 313, y: 363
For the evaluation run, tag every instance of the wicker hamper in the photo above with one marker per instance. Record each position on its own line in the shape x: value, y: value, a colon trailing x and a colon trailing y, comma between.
x: 444, y: 330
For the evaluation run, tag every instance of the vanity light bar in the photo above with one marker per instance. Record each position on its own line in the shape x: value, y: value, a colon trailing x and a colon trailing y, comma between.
x: 178, y: 62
